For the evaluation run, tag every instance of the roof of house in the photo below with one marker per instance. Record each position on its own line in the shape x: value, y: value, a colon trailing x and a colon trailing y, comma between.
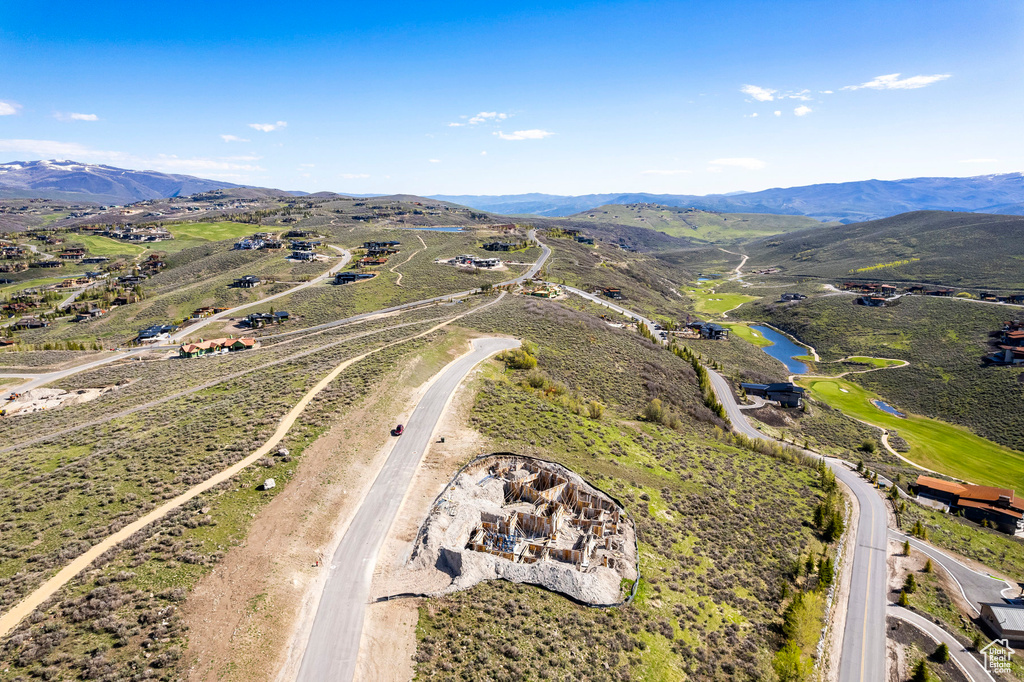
x: 974, y: 504
x: 968, y: 492
x: 1009, y: 616
x: 938, y: 484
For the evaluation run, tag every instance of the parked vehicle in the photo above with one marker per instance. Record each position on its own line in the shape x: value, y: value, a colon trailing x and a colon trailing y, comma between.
x: 398, y: 430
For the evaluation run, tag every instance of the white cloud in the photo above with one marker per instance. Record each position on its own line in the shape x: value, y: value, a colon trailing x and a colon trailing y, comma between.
x: 802, y: 110
x: 524, y: 135
x: 753, y: 115
x: 666, y: 172
x: 456, y: 125
x: 759, y: 93
x: 894, y: 82
x: 825, y: 92
x: 63, y: 116
x: 742, y: 162
x: 233, y: 138
x: 354, y: 176
x: 267, y: 127
x: 777, y: 113
x: 483, y: 153
x: 435, y: 160
x: 487, y: 116
x: 8, y: 108
x: 802, y: 96
x: 979, y: 160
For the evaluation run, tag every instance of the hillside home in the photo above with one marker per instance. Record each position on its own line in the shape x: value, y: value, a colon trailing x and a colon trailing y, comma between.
x: 247, y: 282
x: 612, y: 292
x: 259, y: 320
x: 370, y: 262
x: 31, y: 323
x: 308, y: 245
x: 499, y: 246
x: 585, y: 240
x: 94, y: 260
x: 381, y: 245
x: 303, y: 255
x: 195, y: 350
x: 999, y: 506
x: 1015, y: 298
x: 871, y: 301
x: 156, y: 333
x: 52, y: 263
x: 1005, y: 621
x: 349, y: 277
x: 793, y: 297
x: 90, y: 315
x: 785, y: 394
x: 71, y: 254
x: 939, y: 292
x: 708, y: 330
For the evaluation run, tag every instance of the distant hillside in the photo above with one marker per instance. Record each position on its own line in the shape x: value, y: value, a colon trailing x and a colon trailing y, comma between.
x: 845, y: 202
x: 73, y: 181
x: 696, y: 225
x: 955, y: 249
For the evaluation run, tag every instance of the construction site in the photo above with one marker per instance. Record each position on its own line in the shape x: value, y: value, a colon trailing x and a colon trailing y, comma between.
x: 527, y: 520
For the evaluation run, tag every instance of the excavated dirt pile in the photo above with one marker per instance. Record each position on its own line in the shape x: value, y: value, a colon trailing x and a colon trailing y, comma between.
x: 528, y: 521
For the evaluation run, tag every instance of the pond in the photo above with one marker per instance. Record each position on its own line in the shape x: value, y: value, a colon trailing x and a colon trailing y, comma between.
x: 782, y: 349
x: 435, y: 229
x: 886, y: 407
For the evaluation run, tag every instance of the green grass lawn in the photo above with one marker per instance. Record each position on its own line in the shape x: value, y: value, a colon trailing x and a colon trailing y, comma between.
x: 949, y: 449
x: 748, y: 334
x: 11, y: 289
x: 706, y: 299
x: 215, y: 232
x: 104, y: 246
x: 876, y: 362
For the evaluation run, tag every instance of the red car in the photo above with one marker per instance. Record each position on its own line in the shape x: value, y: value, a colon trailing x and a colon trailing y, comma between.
x: 398, y: 430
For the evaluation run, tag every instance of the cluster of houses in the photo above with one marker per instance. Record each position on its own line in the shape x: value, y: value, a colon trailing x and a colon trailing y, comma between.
x: 10, y: 251
x: 260, y: 240
x: 215, y: 347
x: 785, y: 394
x: 877, y: 293
x: 1000, y: 507
x: 1009, y: 345
x: 377, y: 253
x: 130, y: 233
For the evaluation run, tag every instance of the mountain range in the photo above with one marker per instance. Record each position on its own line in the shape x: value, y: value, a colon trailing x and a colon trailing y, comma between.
x: 86, y: 182
x: 846, y: 202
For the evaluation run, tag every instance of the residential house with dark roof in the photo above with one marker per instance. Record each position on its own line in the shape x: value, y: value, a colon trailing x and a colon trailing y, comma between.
x: 785, y: 394
x: 247, y: 282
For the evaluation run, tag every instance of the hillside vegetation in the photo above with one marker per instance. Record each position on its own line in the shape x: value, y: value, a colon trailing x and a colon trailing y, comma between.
x: 952, y: 249
x: 697, y: 225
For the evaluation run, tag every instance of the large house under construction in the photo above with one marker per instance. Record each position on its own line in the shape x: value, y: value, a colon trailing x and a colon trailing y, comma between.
x: 547, y: 517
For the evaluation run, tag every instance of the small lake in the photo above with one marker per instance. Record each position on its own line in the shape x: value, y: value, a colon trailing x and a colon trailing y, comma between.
x: 886, y: 407
x: 435, y: 229
x: 783, y: 349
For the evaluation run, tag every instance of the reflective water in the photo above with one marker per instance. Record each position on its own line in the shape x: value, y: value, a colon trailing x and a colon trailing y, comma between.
x: 783, y: 349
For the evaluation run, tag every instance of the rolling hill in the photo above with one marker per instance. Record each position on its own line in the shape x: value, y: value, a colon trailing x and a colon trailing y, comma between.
x: 941, y: 247
x: 845, y: 202
x: 696, y: 225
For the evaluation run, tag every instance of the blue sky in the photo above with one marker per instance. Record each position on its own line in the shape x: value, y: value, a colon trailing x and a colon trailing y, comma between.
x: 471, y: 98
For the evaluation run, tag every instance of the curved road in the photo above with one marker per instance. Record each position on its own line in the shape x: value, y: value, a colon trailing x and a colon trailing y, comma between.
x: 967, y: 663
x: 333, y: 645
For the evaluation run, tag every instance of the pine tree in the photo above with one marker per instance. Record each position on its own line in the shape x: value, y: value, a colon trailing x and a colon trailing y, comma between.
x: 941, y: 654
x: 910, y: 584
x: 920, y: 673
x: 906, y: 548
x: 928, y: 566
x: 903, y: 600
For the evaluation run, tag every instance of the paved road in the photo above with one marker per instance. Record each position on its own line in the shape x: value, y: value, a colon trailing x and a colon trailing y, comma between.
x: 964, y: 660
x: 977, y: 588
x: 333, y: 646
x: 863, y: 657
x: 43, y: 379
x: 608, y: 304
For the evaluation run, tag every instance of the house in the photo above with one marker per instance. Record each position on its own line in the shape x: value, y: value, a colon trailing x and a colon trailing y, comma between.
x: 52, y: 263
x: 247, y: 282
x: 131, y: 280
x: 370, y: 262
x: 793, y: 297
x: 195, y: 350
x: 709, y: 330
x: 31, y: 323
x: 8, y: 342
x: 1005, y: 621
x: 871, y: 301
x: 584, y: 240
x: 499, y: 246
x: 303, y: 255
x: 258, y: 320
x: 486, y: 262
x: 94, y: 260
x: 999, y: 506
x: 785, y: 394
x: 380, y: 245
x: 915, y: 289
x: 90, y: 315
x: 612, y: 292
x: 887, y: 289
x: 1015, y: 298
x: 304, y: 245
x: 71, y: 254
x: 939, y: 292
x: 157, y: 332
x: 350, y: 276
x: 381, y: 251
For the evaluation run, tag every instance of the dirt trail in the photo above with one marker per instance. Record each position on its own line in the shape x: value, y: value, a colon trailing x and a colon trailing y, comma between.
x: 26, y: 606
x: 398, y: 280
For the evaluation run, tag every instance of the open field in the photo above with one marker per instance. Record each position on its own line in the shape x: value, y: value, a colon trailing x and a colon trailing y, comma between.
x: 708, y: 300
x: 952, y: 450
x: 104, y: 246
x: 215, y: 232
x: 747, y: 334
